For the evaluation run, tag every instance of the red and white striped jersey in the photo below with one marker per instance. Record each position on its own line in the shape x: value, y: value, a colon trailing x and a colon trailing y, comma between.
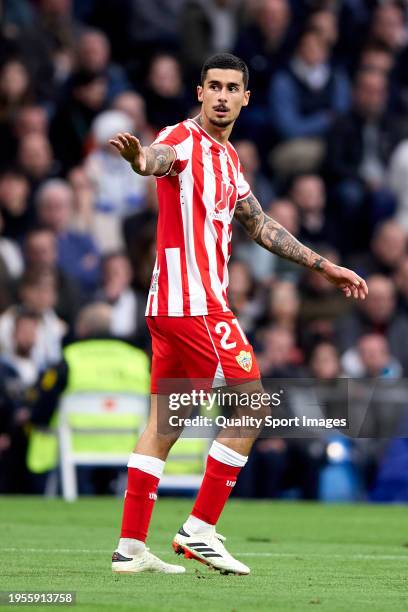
x: 197, y: 198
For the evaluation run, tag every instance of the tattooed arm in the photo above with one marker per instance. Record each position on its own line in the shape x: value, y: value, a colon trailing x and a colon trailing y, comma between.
x: 146, y: 161
x: 271, y: 235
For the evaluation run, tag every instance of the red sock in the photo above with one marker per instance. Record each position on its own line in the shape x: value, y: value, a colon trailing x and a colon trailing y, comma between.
x: 218, y: 482
x: 140, y: 496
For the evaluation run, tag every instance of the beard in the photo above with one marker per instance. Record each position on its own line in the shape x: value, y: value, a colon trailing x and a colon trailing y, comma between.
x: 222, y: 123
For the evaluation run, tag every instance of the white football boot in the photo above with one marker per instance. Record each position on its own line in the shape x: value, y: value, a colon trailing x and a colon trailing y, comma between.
x: 143, y: 562
x: 208, y: 548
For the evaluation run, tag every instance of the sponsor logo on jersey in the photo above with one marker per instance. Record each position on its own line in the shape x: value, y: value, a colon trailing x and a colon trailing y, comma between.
x: 244, y: 359
x: 230, y: 483
x: 222, y: 207
x: 153, y: 496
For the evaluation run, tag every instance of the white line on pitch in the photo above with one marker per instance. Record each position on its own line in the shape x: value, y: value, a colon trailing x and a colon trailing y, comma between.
x: 300, y: 555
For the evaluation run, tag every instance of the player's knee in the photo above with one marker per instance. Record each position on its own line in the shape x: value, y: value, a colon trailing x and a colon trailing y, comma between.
x: 162, y: 440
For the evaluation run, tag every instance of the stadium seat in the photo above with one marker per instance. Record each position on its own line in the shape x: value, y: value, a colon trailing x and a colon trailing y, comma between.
x: 100, y: 429
x: 97, y: 429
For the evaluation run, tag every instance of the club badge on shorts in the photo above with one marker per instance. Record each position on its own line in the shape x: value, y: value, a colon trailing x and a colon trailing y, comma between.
x: 244, y: 360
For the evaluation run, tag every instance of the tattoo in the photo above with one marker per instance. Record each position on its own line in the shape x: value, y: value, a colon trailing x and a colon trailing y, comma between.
x: 158, y: 159
x: 269, y: 234
x: 318, y: 264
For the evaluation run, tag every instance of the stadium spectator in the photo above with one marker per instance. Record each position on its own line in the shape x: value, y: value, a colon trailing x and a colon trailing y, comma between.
x: 320, y: 306
x: 15, y: 93
x: 241, y: 294
x: 72, y: 121
x: 324, y: 21
x: 47, y: 43
x: 264, y: 44
x: 207, y: 27
x: 283, y: 306
x: 31, y: 119
x: 387, y: 248
x: 118, y: 190
x: 304, y: 100
x: 35, y: 159
x: 154, y: 25
x: 15, y: 88
x: 28, y: 119
x: 83, y: 217
x: 17, y: 373
x: 127, y: 319
x: 371, y: 358
x: 167, y: 100
x: 25, y: 338
x: 37, y: 292
x: 134, y: 105
x: 18, y: 214
x: 359, y: 149
x: 378, y: 313
x: 251, y: 164
x: 388, y: 26
x: 279, y: 357
x: 78, y: 256
x: 308, y: 193
x: 40, y: 252
x: 324, y: 361
x: 377, y: 58
x: 93, y: 56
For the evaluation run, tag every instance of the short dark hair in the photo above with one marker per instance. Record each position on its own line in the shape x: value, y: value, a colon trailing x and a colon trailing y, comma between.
x: 225, y: 61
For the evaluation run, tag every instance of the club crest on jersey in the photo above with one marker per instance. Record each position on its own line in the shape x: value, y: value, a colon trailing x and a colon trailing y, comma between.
x: 244, y: 359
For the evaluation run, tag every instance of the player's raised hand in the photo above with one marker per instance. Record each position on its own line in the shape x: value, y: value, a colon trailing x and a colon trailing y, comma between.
x: 348, y: 281
x: 130, y: 149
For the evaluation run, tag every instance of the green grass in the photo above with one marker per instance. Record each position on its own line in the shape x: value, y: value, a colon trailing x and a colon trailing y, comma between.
x: 302, y: 556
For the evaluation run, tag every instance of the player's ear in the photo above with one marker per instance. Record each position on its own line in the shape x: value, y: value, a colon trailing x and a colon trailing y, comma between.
x: 246, y: 98
x: 199, y: 93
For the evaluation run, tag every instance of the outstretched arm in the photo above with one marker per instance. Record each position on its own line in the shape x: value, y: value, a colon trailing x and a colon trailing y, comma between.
x: 275, y: 238
x: 146, y: 161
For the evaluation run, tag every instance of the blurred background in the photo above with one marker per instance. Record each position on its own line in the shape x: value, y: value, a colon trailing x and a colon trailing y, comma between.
x: 324, y: 146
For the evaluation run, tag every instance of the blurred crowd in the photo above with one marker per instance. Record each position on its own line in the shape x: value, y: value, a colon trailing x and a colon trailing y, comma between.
x: 324, y: 145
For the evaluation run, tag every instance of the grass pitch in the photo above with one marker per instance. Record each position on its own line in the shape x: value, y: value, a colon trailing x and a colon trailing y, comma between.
x: 302, y: 556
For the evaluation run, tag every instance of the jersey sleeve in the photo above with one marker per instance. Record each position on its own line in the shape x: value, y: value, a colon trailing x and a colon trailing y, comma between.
x: 176, y: 137
x: 243, y: 186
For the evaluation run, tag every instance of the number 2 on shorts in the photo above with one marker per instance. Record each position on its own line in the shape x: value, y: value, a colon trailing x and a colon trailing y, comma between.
x: 224, y: 328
